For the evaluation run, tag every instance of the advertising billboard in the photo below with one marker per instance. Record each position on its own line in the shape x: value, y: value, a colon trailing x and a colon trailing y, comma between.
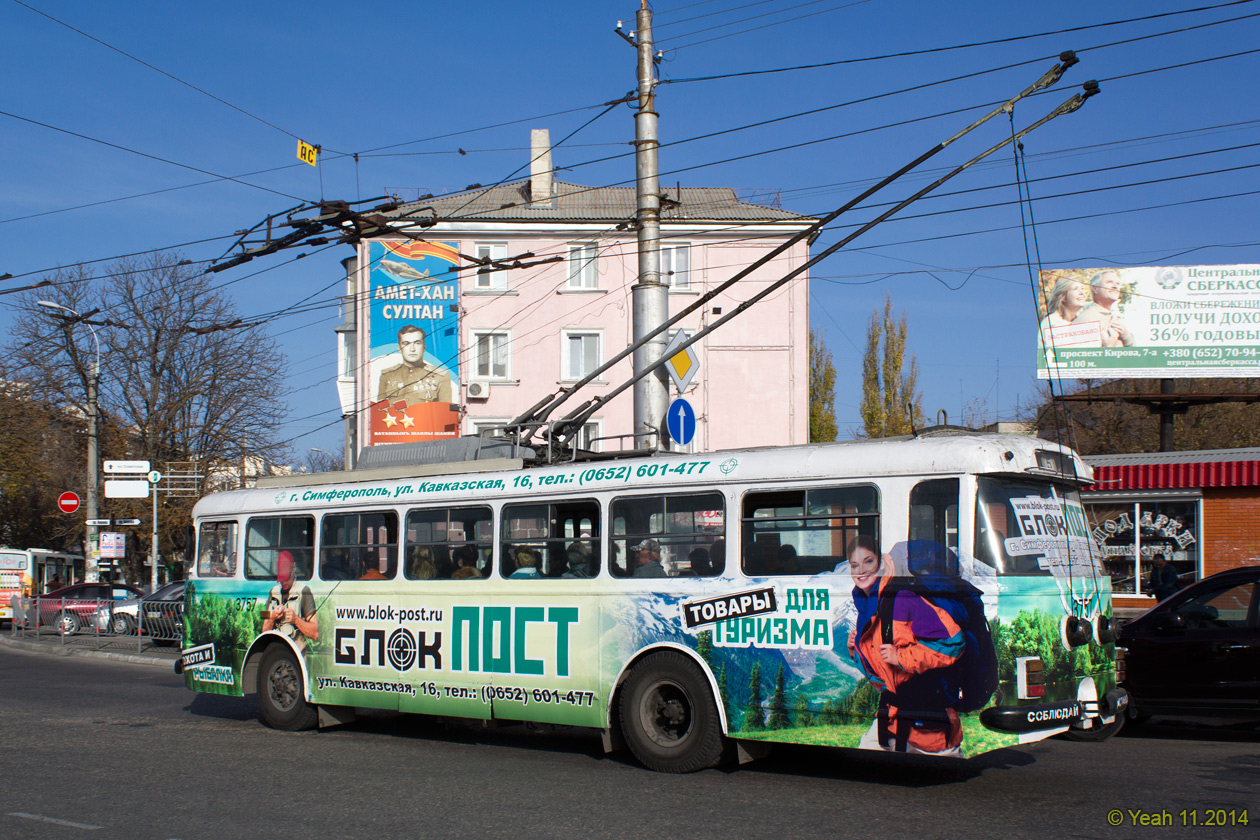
x: 1149, y: 322
x: 413, y: 341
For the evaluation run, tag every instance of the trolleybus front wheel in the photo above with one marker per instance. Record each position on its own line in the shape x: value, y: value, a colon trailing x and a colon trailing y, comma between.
x: 668, y: 716
x: 280, y: 691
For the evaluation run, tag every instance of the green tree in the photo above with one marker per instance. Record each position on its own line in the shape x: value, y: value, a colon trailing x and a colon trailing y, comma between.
x: 801, y: 715
x: 754, y: 715
x: 704, y: 646
x: 822, y: 391
x: 778, y: 705
x: 891, y: 403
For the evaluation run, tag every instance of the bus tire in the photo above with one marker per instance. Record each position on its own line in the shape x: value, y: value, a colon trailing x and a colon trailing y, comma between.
x: 1098, y: 733
x: 280, y: 691
x: 668, y: 717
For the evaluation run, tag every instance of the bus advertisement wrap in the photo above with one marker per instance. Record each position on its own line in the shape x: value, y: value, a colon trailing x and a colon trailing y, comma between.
x: 1149, y: 322
x: 413, y: 341
x: 780, y: 654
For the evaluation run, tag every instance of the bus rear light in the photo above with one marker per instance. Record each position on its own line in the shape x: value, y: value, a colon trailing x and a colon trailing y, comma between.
x: 1030, y: 677
x: 1120, y: 664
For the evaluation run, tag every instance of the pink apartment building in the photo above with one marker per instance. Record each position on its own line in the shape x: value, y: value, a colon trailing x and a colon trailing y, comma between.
x: 557, y: 303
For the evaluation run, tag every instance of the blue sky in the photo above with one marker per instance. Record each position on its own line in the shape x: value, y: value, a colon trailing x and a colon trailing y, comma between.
x: 408, y: 86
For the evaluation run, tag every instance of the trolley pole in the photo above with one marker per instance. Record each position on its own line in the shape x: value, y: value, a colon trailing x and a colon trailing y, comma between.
x: 649, y: 296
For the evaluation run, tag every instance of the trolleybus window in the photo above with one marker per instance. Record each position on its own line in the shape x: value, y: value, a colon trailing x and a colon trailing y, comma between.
x: 216, y: 549
x: 804, y: 532
x: 934, y: 511
x: 359, y: 546
x: 1016, y: 521
x: 448, y: 543
x: 559, y: 540
x: 267, y: 536
x: 669, y: 536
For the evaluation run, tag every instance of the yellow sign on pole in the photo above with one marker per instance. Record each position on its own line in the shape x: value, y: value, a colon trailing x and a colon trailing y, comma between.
x: 683, y: 364
x: 308, y: 153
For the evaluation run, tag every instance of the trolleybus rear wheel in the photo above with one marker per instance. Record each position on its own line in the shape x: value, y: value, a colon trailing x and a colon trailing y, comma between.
x: 668, y: 716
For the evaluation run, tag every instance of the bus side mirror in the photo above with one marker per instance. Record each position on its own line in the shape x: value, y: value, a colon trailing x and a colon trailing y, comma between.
x: 190, y: 548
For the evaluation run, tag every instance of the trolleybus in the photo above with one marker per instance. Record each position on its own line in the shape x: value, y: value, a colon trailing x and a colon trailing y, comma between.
x: 938, y: 595
x: 30, y: 571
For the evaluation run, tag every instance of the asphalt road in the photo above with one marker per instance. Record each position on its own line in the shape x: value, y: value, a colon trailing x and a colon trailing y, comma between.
x: 98, y: 749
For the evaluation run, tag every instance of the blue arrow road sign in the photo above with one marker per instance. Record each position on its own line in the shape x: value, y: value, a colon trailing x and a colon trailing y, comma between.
x: 681, y: 421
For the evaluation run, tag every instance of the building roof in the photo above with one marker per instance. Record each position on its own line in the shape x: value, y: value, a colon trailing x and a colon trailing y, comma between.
x: 1176, y: 470
x: 577, y: 203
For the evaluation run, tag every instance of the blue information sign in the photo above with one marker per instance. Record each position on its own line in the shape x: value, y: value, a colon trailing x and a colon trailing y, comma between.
x: 681, y: 421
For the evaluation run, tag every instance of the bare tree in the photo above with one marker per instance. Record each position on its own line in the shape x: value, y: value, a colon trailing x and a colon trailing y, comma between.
x: 184, y: 379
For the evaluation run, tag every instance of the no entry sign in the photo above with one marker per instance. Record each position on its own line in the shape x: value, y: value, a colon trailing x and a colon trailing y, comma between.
x: 68, y: 502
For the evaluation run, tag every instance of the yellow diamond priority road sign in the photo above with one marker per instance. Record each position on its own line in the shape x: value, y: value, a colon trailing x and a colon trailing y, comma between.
x: 683, y: 364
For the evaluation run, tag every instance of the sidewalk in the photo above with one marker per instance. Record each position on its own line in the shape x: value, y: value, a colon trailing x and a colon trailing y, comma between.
x: 117, y: 648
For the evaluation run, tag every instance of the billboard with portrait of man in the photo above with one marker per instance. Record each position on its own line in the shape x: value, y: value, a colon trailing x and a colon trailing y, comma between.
x: 1149, y: 322
x: 413, y: 341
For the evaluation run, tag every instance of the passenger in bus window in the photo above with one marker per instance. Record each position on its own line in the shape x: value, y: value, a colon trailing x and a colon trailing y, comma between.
x: 336, y: 567
x: 717, y: 556
x: 699, y: 559
x: 579, y: 561
x: 55, y: 583
x: 526, y: 563
x: 786, y: 562
x: 371, y: 568
x: 647, y: 560
x: 420, y: 565
x: 290, y: 608
x: 465, y: 557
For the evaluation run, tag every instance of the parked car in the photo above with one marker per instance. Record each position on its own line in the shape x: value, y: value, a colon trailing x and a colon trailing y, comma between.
x: 163, y: 614
x: 1197, y: 652
x: 70, y: 608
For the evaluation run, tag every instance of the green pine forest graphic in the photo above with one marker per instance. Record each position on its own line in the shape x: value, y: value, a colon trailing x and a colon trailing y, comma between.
x: 830, y: 709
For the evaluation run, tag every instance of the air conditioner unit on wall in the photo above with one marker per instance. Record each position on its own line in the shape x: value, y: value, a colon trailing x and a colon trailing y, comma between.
x: 478, y: 390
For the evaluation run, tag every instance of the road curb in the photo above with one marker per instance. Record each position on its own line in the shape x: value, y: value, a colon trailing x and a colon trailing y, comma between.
x: 61, y: 650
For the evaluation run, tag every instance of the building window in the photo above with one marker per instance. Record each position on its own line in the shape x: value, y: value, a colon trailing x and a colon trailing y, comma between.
x: 676, y: 266
x: 490, y: 279
x: 582, y: 353
x: 481, y: 425
x: 1133, y: 534
x: 346, y: 354
x: 588, y: 436
x: 583, y: 266
x: 490, y: 355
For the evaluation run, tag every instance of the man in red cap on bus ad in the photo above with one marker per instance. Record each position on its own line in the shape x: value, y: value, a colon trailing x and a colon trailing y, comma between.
x: 290, y: 608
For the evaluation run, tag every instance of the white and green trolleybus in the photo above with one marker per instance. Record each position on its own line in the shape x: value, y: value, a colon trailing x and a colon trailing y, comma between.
x: 939, y: 595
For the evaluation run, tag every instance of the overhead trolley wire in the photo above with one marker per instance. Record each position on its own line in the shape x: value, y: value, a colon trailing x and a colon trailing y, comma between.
x: 934, y: 50
x: 155, y: 69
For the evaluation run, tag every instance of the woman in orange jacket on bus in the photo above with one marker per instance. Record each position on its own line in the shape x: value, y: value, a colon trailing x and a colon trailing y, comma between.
x: 904, y: 644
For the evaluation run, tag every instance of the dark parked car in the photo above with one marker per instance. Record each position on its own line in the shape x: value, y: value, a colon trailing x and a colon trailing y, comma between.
x: 1197, y: 652
x: 70, y: 608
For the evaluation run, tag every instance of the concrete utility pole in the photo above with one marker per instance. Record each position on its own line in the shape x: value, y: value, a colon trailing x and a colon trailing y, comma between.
x: 650, y: 297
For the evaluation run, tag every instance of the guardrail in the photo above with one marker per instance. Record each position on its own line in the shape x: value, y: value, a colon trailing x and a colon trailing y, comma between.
x: 148, y: 622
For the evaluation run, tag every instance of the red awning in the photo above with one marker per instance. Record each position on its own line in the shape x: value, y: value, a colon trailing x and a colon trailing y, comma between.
x: 1172, y: 476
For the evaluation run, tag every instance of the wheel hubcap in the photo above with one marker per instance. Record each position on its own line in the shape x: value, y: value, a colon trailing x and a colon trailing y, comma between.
x: 282, y: 685
x: 666, y: 714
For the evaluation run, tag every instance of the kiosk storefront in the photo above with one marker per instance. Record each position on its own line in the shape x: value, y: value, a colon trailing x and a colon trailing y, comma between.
x: 1199, y: 510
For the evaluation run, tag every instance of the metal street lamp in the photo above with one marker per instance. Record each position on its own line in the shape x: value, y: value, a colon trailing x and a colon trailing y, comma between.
x: 94, y: 378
